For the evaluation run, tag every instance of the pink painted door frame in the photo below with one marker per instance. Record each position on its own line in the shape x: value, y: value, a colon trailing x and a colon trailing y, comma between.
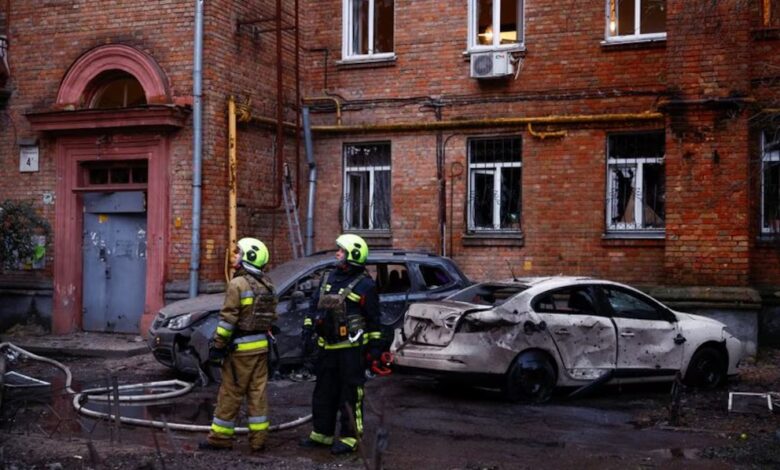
x: 71, y: 153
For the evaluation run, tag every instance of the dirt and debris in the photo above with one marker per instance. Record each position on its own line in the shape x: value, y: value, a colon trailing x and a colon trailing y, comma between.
x: 428, y: 424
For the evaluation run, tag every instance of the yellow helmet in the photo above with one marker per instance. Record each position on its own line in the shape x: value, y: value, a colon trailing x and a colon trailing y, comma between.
x: 355, y: 247
x: 253, y: 252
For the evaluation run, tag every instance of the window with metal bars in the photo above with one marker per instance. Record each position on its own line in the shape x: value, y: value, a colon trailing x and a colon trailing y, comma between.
x: 636, y: 182
x: 770, y: 183
x: 495, y: 177
x: 367, y: 186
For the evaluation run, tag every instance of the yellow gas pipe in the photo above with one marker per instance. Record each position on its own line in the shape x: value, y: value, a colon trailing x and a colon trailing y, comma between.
x: 232, y: 188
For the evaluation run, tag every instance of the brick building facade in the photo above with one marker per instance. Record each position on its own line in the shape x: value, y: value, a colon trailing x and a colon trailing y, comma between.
x: 632, y: 140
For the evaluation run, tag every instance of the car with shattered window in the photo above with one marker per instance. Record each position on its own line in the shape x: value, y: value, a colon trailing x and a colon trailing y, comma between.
x: 181, y: 331
x: 530, y: 335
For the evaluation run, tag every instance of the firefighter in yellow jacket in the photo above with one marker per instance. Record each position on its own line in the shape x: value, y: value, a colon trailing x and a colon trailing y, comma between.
x: 241, y: 344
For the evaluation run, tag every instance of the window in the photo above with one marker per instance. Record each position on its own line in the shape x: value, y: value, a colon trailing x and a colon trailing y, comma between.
x: 367, y: 186
x: 636, y: 183
x: 117, y: 90
x: 627, y: 305
x: 569, y: 300
x: 115, y: 173
x: 495, y: 24
x: 368, y: 29
x: 633, y: 20
x: 495, y: 174
x: 434, y: 277
x: 390, y: 278
x: 770, y: 183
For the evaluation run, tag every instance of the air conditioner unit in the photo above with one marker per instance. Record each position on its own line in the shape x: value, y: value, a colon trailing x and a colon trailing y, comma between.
x: 491, y: 65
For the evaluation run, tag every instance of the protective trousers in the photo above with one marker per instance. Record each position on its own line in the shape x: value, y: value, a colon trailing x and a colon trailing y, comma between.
x: 242, y: 375
x: 339, y: 389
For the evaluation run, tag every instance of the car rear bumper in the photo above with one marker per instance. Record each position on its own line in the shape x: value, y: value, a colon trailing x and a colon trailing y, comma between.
x: 464, y: 355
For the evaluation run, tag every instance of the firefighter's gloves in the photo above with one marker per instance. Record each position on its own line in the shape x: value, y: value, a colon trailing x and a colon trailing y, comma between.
x: 217, y: 354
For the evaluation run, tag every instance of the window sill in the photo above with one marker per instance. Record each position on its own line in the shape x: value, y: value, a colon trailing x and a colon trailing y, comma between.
x: 375, y: 238
x: 633, y: 239
x: 649, y: 43
x: 765, y: 33
x: 366, y: 62
x: 514, y: 239
x: 520, y: 50
x: 766, y: 240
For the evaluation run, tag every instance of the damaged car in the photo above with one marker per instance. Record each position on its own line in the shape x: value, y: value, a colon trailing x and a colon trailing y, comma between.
x: 530, y: 335
x: 180, y: 334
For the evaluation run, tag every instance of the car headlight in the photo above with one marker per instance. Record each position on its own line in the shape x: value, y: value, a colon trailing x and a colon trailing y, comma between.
x: 180, y: 322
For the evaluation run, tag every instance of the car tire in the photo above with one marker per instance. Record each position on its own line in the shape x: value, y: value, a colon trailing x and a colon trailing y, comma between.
x: 530, y: 379
x: 707, y: 369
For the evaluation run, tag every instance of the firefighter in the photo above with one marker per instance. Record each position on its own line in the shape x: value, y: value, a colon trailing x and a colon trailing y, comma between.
x: 345, y: 319
x: 240, y: 345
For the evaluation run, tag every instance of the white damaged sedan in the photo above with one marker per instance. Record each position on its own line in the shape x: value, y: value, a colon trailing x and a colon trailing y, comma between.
x: 530, y: 335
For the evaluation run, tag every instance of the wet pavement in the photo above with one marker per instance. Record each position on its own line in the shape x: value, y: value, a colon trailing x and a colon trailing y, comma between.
x: 428, y: 424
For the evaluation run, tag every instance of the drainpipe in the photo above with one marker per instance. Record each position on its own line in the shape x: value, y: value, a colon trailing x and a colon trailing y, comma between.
x: 197, y: 142
x: 312, y: 182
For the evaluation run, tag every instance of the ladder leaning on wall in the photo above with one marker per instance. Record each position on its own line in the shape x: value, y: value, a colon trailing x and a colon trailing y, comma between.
x: 291, y: 211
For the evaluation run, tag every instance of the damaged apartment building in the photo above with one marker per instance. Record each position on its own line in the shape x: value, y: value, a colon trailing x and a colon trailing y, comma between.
x: 635, y: 140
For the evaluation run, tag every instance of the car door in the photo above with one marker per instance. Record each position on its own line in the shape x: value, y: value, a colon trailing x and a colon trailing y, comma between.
x: 649, y: 340
x: 583, y: 334
x: 294, y: 304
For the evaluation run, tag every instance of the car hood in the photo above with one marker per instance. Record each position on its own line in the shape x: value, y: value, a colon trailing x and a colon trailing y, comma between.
x: 201, y: 303
x: 434, y: 323
x: 699, y: 319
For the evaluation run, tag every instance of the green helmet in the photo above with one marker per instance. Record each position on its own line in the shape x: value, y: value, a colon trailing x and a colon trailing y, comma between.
x: 355, y: 247
x: 253, y: 252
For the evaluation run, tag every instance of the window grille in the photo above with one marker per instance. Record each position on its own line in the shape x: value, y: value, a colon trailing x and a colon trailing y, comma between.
x: 495, y: 176
x: 636, y: 182
x: 367, y: 186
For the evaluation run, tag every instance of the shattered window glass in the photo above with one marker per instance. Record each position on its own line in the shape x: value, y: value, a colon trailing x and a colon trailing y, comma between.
x: 367, y: 186
x: 569, y: 300
x: 495, y: 176
x: 434, y: 277
x: 628, y: 305
x: 488, y: 294
x: 636, y: 182
x: 770, y: 182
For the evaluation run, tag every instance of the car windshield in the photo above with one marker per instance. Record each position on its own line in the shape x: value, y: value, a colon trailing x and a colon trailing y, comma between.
x: 488, y: 294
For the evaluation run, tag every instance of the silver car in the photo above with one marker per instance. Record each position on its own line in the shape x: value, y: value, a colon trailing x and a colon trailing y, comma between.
x: 530, y: 335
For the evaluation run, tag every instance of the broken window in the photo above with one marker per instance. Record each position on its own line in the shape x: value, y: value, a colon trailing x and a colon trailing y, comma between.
x: 495, y: 175
x: 631, y: 20
x: 495, y: 23
x: 367, y: 186
x: 435, y: 277
x: 770, y: 183
x: 569, y: 300
x: 629, y: 305
x: 488, y: 294
x: 368, y: 28
x: 636, y: 182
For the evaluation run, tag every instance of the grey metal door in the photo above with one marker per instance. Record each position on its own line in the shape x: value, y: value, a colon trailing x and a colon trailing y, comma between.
x: 114, y: 261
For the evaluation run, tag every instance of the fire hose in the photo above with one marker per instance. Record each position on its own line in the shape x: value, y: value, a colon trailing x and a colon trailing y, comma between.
x: 180, y: 388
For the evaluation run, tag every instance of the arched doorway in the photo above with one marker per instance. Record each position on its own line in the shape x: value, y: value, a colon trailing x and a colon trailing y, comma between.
x: 111, y: 213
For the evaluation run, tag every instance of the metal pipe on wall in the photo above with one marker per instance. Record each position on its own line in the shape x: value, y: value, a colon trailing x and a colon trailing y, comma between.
x: 232, y: 188
x: 197, y: 146
x: 312, y: 182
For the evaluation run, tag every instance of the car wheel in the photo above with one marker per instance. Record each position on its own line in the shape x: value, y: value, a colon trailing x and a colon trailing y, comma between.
x: 707, y: 369
x: 530, y: 379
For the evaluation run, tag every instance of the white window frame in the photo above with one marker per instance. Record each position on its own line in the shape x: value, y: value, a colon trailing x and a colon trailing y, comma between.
x: 371, y: 170
x: 638, y: 165
x: 347, y: 50
x: 766, y: 157
x: 494, y: 169
x: 472, y: 29
x: 637, y: 36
